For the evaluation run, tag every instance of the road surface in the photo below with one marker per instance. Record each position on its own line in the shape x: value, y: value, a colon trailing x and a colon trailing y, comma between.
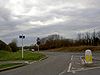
x: 57, y: 63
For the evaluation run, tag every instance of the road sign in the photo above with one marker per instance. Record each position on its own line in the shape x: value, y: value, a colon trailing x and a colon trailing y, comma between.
x: 88, y: 56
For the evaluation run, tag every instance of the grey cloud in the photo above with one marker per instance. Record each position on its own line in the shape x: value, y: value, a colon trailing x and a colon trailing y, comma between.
x: 3, y: 3
x: 5, y: 14
x: 79, y: 19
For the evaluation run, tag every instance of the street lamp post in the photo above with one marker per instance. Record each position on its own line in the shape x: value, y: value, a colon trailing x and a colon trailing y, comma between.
x: 22, y: 37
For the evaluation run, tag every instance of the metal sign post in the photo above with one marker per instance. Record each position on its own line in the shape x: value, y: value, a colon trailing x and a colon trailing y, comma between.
x: 38, y: 47
x: 22, y: 37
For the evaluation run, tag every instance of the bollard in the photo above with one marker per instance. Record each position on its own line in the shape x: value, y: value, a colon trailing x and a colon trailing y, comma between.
x: 88, y: 57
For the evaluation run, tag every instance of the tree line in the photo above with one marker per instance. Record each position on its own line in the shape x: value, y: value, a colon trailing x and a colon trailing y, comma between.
x: 90, y: 39
x: 57, y: 41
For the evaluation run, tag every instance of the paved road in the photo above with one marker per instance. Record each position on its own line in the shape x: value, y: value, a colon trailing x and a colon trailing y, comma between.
x: 56, y: 64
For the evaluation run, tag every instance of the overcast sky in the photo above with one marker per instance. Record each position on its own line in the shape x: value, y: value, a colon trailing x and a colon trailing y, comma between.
x: 40, y: 18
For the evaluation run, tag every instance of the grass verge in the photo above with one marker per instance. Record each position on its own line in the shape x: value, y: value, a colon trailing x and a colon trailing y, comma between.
x: 10, y: 60
x: 8, y: 66
x: 13, y: 56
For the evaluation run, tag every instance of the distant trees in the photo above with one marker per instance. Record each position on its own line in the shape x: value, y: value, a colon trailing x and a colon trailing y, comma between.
x: 13, y: 45
x: 57, y: 41
x: 54, y: 41
x: 10, y: 47
x: 4, y: 46
x: 91, y: 39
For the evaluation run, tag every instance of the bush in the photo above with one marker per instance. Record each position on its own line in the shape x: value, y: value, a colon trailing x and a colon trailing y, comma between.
x: 4, y: 46
x: 13, y: 46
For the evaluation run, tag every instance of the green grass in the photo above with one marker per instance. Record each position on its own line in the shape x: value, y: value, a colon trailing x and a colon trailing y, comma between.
x: 7, y: 65
x: 28, y: 55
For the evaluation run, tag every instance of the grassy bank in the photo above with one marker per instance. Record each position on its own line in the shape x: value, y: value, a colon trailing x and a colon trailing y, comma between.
x: 28, y: 55
x: 7, y: 65
x: 77, y: 49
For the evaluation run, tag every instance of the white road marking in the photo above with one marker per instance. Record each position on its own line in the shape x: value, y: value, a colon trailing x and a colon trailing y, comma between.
x: 69, y: 67
x: 71, y: 57
x: 77, y: 70
x: 73, y: 71
x: 63, y: 72
x: 82, y: 69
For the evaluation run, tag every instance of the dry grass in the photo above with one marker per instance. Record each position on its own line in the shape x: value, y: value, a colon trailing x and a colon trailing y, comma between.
x: 77, y: 49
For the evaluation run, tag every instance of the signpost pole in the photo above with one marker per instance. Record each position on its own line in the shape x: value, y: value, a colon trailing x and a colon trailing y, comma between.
x: 22, y: 37
x: 22, y: 47
x: 38, y: 48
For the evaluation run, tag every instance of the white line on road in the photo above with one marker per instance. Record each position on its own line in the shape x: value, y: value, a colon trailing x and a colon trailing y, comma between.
x: 69, y: 67
x: 82, y: 69
x: 63, y: 72
x: 71, y: 57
